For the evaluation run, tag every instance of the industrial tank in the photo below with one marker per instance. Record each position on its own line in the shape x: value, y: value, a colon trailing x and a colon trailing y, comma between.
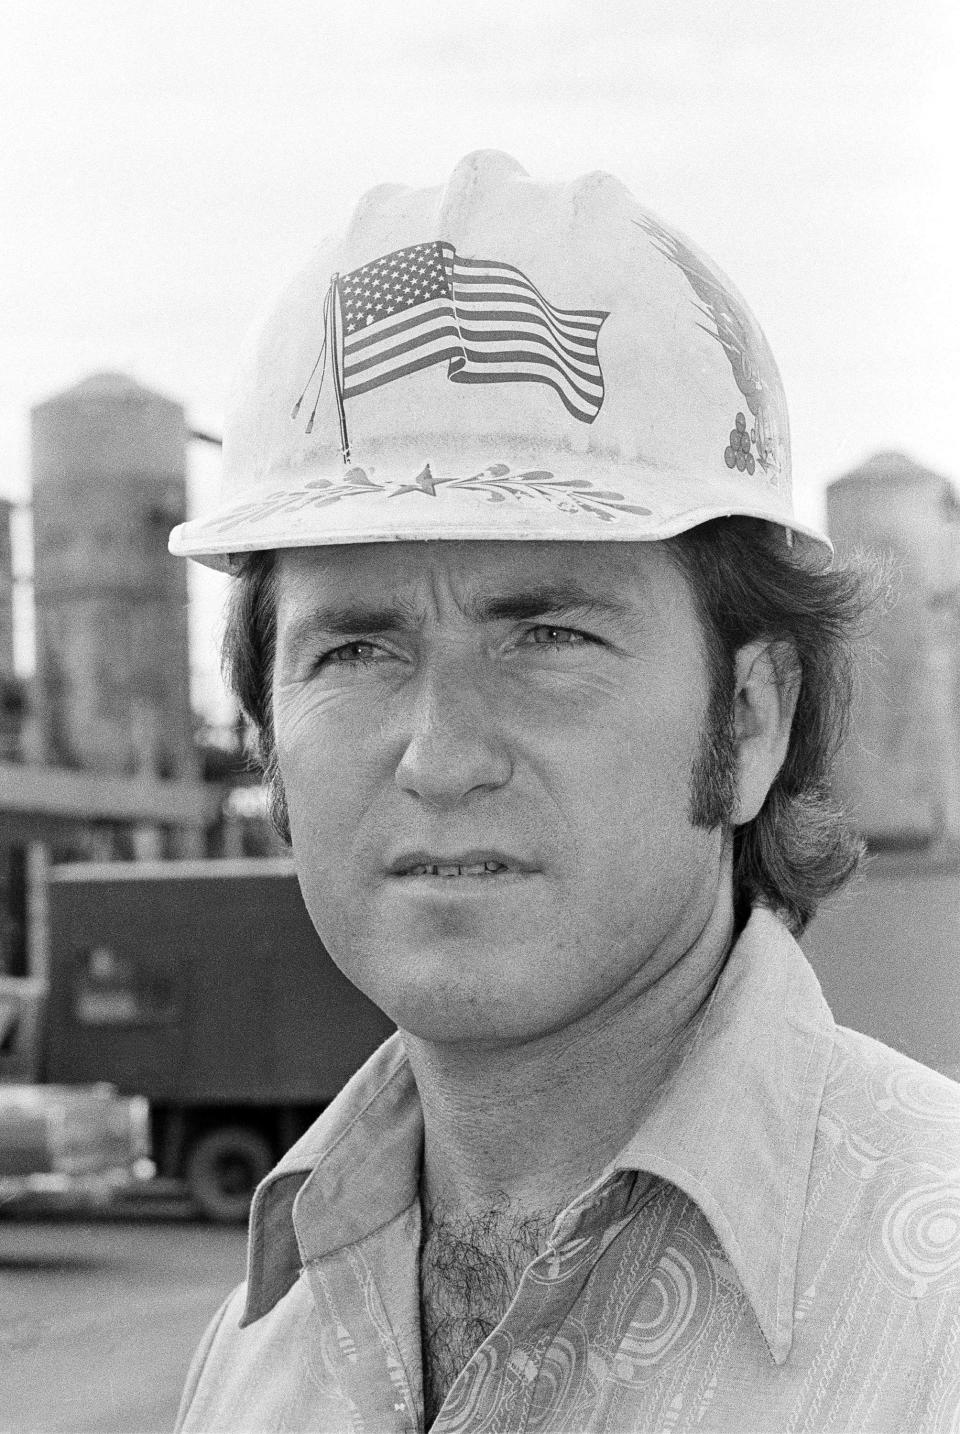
x: 885, y: 948
x: 900, y: 771
x: 109, y: 481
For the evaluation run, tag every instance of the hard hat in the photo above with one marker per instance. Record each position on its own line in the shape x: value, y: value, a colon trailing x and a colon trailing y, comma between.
x: 499, y: 358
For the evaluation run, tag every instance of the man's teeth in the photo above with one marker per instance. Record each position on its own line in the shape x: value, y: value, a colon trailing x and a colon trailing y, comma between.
x: 452, y: 868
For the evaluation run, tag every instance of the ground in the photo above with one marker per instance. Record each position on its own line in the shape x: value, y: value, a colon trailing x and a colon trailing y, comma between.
x: 98, y: 1320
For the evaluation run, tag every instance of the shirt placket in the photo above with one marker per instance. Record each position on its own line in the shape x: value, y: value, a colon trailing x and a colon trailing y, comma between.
x: 496, y: 1391
x: 383, y: 1395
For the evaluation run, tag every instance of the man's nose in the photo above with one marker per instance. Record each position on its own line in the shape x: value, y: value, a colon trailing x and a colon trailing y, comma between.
x: 454, y: 743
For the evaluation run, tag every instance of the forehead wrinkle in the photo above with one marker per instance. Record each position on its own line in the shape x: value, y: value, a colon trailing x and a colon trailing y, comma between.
x: 349, y: 618
x: 548, y: 599
x: 367, y: 602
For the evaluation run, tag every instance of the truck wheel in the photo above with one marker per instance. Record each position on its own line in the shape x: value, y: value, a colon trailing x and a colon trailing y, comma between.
x: 224, y: 1167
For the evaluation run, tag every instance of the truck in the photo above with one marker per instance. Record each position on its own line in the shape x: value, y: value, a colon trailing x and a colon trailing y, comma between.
x: 202, y: 987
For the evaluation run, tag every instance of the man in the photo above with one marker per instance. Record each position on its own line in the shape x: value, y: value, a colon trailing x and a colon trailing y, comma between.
x: 547, y: 679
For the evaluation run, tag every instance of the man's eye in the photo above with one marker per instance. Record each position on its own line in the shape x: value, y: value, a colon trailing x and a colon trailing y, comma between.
x: 355, y: 654
x: 546, y: 635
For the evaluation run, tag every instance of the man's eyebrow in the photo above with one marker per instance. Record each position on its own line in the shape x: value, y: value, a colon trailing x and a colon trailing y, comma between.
x: 548, y: 600
x: 354, y: 619
x: 349, y: 620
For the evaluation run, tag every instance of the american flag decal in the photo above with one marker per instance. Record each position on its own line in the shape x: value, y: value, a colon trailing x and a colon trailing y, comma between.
x: 425, y: 305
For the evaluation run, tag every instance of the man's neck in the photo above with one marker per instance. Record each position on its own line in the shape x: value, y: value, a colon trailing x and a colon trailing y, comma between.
x: 536, y: 1123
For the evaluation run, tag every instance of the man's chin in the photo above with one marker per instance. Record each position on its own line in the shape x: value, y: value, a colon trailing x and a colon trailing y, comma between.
x: 452, y: 925
x: 495, y: 1025
x: 459, y: 989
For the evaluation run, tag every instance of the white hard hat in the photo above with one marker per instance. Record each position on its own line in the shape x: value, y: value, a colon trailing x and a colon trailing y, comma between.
x: 500, y: 358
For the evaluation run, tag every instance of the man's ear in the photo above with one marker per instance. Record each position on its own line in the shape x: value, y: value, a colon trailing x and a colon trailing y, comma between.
x: 767, y: 676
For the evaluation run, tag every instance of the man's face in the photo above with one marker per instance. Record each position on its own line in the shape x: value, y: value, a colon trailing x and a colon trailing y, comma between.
x: 487, y: 752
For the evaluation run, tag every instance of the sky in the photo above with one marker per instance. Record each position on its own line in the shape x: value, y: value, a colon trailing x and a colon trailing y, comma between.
x: 165, y: 166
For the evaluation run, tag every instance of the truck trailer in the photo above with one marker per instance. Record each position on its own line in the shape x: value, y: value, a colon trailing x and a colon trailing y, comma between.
x: 203, y: 987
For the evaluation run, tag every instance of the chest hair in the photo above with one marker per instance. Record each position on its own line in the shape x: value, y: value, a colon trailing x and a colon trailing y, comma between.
x: 470, y: 1267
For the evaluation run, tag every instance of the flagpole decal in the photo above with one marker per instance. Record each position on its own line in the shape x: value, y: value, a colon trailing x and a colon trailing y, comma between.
x: 336, y: 319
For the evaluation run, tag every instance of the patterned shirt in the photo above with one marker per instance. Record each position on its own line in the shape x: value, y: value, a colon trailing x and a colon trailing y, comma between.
x: 777, y: 1248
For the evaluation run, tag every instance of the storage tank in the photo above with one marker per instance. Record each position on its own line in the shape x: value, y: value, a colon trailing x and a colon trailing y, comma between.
x: 13, y: 690
x: 901, y: 769
x: 109, y: 481
x: 6, y: 590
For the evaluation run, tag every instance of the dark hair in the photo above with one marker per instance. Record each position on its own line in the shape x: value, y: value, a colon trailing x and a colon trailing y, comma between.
x: 247, y: 655
x: 748, y: 583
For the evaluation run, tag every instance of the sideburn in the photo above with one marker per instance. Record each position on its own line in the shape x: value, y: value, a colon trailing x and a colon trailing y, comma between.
x: 276, y: 794
x: 714, y: 772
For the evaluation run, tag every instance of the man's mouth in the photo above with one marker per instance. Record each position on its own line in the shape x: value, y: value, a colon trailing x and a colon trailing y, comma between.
x: 482, y: 863
x: 456, y: 868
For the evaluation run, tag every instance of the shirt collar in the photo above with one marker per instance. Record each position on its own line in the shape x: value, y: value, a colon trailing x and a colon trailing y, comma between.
x: 734, y: 1130
x: 356, y: 1168
x: 735, y: 1127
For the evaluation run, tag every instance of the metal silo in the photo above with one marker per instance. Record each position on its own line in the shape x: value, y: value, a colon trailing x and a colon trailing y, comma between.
x: 6, y: 590
x: 109, y: 480
x: 901, y: 768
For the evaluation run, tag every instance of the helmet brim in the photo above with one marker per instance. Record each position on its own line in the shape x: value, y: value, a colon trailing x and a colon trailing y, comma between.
x: 440, y: 498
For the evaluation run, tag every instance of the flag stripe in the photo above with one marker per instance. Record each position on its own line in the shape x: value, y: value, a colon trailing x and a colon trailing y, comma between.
x: 350, y: 390
x: 381, y: 350
x: 506, y: 361
x: 383, y: 329
x: 528, y: 326
x: 513, y: 275
x: 405, y: 319
x: 376, y: 373
x: 574, y: 343
x: 495, y: 296
x: 491, y: 290
x: 503, y: 350
x: 589, y: 319
x: 449, y: 332
x: 517, y: 344
x: 450, y: 347
x: 445, y: 350
x: 586, y: 414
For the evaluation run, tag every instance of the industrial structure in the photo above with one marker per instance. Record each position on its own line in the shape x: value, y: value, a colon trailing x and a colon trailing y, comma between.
x: 97, y: 751
x: 6, y: 588
x: 900, y: 770
x: 885, y: 949
x: 109, y: 481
